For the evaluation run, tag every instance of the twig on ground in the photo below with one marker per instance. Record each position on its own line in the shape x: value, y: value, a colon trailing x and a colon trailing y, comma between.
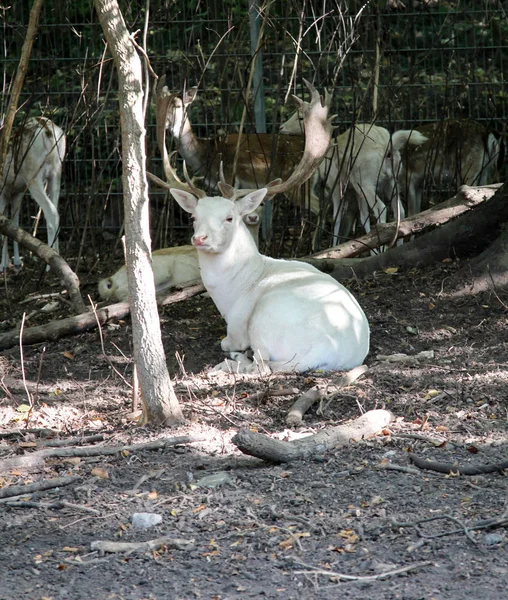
x: 344, y: 577
x: 104, y: 546
x: 454, y: 469
x: 36, y: 458
x: 77, y: 440
x: 30, y: 488
x: 271, y: 392
x: 463, y: 528
x: 319, y: 392
x: 392, y: 467
x: 52, y: 505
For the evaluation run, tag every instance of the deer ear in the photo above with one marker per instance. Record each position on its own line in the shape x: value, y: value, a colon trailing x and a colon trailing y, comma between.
x: 185, y: 199
x: 190, y: 95
x: 251, y: 201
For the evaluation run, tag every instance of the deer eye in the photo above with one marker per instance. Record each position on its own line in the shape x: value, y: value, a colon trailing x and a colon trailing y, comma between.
x: 229, y: 219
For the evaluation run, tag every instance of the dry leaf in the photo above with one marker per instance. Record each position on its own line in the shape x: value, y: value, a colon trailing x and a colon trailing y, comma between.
x: 391, y: 270
x: 100, y: 473
x: 27, y: 445
x: 287, y: 544
x: 68, y: 355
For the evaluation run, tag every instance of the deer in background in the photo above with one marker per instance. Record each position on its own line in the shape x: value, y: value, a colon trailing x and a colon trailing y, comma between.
x: 262, y: 157
x: 34, y: 164
x: 455, y: 153
x: 281, y: 315
x: 171, y: 267
x: 363, y: 161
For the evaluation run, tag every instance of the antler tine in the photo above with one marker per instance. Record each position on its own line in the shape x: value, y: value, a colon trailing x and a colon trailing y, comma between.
x: 228, y: 191
x: 163, y: 102
x: 195, y: 190
x: 318, y: 133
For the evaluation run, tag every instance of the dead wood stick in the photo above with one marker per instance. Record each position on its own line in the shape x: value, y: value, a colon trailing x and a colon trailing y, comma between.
x: 30, y: 488
x: 38, y: 457
x: 71, y: 325
x: 53, y: 505
x: 98, y: 437
x: 317, y: 392
x: 83, y: 322
x: 266, y: 448
x: 430, y: 465
x: 466, y: 199
x: 180, y: 294
x: 342, y: 576
x: 103, y: 546
x: 67, y: 277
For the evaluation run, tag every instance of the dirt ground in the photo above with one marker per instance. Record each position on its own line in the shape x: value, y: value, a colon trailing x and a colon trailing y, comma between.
x: 345, y: 524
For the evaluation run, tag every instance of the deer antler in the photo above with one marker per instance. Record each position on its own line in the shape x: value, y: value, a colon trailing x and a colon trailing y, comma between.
x: 162, y: 106
x: 318, y: 133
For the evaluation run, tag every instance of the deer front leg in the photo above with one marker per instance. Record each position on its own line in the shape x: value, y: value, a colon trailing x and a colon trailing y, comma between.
x: 49, y: 210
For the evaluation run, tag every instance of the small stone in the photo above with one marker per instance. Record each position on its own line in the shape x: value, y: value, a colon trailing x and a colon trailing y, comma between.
x: 145, y: 520
x: 215, y: 480
x: 493, y: 538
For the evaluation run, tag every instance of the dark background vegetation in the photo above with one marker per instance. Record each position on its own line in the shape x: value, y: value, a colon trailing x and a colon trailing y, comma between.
x: 436, y: 60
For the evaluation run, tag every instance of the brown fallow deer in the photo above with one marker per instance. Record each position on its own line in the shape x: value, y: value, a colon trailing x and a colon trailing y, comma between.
x: 255, y: 158
x: 456, y: 152
x: 34, y: 164
x: 281, y: 315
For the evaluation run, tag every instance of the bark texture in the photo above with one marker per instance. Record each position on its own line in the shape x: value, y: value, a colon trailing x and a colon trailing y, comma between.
x: 160, y: 401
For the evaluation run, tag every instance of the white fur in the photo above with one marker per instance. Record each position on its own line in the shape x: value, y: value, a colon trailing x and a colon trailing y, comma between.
x: 33, y: 163
x: 290, y: 315
x: 364, y: 159
x: 171, y: 266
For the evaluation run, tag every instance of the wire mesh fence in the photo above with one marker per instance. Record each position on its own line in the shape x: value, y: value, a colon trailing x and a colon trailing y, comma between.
x: 402, y: 64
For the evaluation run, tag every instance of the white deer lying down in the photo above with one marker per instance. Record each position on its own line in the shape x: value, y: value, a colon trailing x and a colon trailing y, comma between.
x: 365, y: 160
x: 33, y: 163
x: 456, y: 152
x: 290, y: 315
x: 281, y: 315
x: 171, y: 266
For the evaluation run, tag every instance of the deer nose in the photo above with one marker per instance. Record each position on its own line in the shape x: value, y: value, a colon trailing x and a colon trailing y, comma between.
x: 199, y: 240
x: 252, y: 218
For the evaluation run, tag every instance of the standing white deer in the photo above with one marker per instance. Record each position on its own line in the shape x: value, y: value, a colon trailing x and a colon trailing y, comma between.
x: 34, y: 164
x: 364, y: 159
x: 281, y: 315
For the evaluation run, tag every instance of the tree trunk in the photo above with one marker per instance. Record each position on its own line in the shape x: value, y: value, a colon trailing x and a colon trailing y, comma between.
x: 17, y: 85
x: 160, y: 401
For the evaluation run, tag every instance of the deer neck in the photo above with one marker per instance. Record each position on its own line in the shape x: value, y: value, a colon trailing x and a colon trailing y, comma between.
x: 230, y: 275
x: 194, y: 150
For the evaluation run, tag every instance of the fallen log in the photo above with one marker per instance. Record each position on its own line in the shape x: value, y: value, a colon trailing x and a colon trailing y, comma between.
x: 71, y: 325
x: 266, y: 448
x: 88, y: 320
x: 68, y: 279
x: 471, y: 232
x: 465, y: 200
x: 35, y: 459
